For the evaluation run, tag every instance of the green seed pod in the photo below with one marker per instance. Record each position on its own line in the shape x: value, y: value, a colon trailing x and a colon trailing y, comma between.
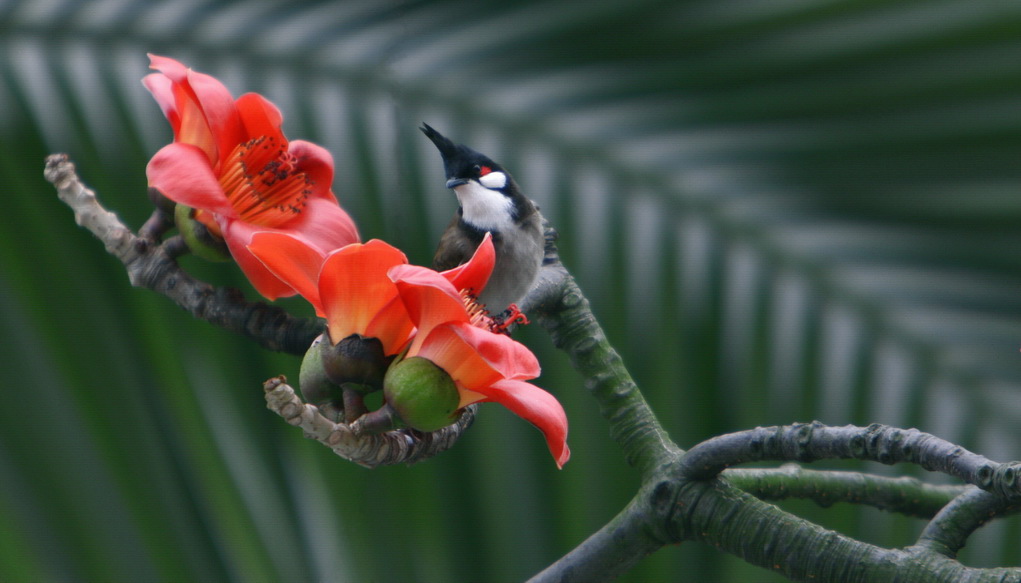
x: 315, y: 385
x: 198, y: 238
x: 422, y: 394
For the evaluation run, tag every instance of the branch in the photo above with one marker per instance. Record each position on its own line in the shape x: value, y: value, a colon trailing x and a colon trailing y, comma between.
x: 611, y: 551
x: 676, y: 509
x: 687, y: 501
x: 733, y: 521
x: 563, y: 310
x: 152, y: 266
x: 881, y: 443
x: 903, y: 495
x: 948, y: 531
x: 401, y: 446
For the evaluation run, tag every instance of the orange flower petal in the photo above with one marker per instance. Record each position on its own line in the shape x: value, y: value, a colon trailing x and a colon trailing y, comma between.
x: 468, y: 397
x: 538, y: 408
x: 317, y: 164
x: 392, y: 326
x: 207, y: 116
x: 475, y: 357
x: 218, y: 109
x: 259, y: 116
x: 183, y: 174
x: 162, y: 89
x: 172, y: 68
x: 293, y: 261
x: 324, y: 224
x: 192, y: 128
x: 448, y: 349
x: 511, y: 358
x: 238, y: 236
x: 474, y: 274
x: 354, y: 287
x: 430, y: 299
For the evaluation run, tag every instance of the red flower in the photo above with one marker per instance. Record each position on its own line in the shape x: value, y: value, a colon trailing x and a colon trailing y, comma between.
x: 232, y: 164
x: 485, y: 366
x: 370, y: 290
x: 350, y: 287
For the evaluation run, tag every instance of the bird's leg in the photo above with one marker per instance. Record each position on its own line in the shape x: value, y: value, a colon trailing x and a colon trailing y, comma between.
x: 512, y: 316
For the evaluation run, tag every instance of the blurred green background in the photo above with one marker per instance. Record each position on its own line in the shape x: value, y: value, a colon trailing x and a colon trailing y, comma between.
x: 781, y: 211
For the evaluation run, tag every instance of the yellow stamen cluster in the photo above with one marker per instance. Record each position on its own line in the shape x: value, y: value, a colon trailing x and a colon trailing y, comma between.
x: 261, y: 182
x: 477, y: 313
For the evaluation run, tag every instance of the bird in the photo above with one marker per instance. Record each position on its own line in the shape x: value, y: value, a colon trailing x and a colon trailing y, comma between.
x: 489, y: 201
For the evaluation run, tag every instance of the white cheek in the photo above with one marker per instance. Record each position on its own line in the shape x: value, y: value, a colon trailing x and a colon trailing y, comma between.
x: 494, y: 180
x: 484, y: 208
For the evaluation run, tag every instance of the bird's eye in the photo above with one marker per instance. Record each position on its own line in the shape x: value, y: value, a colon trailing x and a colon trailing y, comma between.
x: 483, y: 170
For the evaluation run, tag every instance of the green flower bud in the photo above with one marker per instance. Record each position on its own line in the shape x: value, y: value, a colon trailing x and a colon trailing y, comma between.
x: 355, y: 359
x: 315, y: 385
x: 422, y: 394
x: 198, y: 238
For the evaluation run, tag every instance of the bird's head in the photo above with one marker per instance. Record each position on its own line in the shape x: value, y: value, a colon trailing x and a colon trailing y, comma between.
x: 488, y: 196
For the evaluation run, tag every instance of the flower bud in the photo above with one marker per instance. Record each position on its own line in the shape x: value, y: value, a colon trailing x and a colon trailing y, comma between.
x: 315, y: 386
x: 422, y: 394
x: 197, y: 236
x: 355, y: 359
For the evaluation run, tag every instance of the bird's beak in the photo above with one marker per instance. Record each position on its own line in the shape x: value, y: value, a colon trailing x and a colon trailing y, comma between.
x: 455, y: 182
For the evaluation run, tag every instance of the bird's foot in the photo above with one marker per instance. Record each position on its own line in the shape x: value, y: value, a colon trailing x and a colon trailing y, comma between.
x: 510, y: 317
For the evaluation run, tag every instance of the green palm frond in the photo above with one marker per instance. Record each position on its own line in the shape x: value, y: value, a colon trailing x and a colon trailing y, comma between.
x: 781, y: 211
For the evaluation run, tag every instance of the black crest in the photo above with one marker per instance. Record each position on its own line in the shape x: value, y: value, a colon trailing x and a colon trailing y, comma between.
x: 459, y: 160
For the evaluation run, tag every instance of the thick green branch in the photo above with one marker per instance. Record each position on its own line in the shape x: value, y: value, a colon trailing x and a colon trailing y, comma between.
x: 611, y: 551
x: 903, y: 495
x: 562, y: 309
x: 950, y: 529
x: 681, y: 501
x: 727, y: 518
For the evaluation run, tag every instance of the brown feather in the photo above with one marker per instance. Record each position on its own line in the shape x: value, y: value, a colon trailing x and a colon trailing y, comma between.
x: 454, y: 247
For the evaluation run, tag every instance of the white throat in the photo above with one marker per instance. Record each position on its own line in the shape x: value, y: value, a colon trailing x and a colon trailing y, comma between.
x: 485, y: 209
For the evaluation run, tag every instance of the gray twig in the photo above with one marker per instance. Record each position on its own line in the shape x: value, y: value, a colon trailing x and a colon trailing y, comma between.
x: 400, y: 446
x: 152, y: 266
x: 808, y: 442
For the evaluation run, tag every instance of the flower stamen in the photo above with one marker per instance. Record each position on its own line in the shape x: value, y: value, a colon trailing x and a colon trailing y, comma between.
x: 478, y: 315
x: 261, y: 182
